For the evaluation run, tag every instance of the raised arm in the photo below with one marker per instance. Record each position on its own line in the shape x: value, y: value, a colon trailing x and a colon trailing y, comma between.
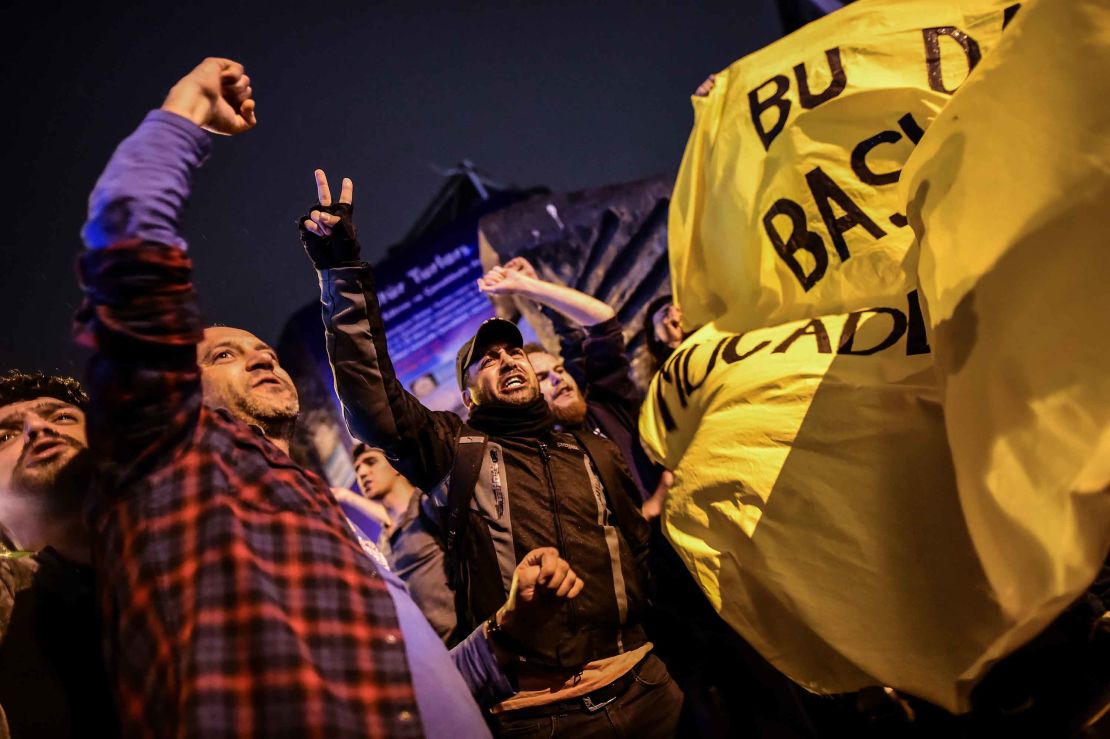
x: 600, y: 357
x: 378, y: 410
x: 572, y: 344
x: 140, y: 312
x: 518, y: 277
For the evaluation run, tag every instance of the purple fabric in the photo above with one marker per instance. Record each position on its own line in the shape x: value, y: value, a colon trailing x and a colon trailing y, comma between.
x: 126, y: 206
x: 445, y: 682
x: 369, y: 527
x: 473, y: 657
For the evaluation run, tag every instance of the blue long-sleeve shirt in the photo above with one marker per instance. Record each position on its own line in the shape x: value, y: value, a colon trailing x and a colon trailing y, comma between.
x: 139, y: 197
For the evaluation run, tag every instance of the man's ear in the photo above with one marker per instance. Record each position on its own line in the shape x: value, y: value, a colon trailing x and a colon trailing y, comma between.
x: 468, y: 399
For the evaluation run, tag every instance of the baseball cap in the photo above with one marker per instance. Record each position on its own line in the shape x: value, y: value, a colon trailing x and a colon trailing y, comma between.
x: 491, y: 330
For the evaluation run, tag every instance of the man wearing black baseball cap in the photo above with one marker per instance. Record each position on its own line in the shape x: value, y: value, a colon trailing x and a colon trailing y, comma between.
x: 514, y: 483
x: 492, y: 331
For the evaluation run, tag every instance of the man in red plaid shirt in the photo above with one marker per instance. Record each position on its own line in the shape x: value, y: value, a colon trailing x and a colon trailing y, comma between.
x: 237, y: 600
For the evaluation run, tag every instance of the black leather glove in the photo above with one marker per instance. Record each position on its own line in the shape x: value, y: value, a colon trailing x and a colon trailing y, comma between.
x: 339, y: 249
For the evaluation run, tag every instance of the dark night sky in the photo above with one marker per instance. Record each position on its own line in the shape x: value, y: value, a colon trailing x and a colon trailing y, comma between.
x: 568, y: 95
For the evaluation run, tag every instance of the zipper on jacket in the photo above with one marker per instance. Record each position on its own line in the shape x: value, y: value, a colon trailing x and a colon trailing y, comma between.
x: 558, y: 523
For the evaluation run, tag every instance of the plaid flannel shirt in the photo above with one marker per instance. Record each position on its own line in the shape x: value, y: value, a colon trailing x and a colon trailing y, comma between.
x: 237, y: 601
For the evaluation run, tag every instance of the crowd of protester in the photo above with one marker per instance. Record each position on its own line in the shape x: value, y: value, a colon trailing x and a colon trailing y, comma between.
x: 168, y: 569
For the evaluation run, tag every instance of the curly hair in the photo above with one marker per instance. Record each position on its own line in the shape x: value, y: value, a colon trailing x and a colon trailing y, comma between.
x: 17, y: 386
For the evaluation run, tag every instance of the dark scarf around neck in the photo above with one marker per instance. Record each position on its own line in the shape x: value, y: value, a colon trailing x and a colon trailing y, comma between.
x: 502, y: 419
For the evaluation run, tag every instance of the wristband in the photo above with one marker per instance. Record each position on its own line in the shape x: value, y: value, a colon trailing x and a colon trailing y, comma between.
x: 498, y: 636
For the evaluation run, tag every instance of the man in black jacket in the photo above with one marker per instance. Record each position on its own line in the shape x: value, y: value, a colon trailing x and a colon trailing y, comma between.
x: 516, y: 484
x: 591, y: 384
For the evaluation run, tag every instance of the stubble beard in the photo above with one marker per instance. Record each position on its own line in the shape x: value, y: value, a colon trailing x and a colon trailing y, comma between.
x: 496, y: 395
x: 516, y: 398
x: 276, y: 417
x: 520, y: 398
x: 60, y: 486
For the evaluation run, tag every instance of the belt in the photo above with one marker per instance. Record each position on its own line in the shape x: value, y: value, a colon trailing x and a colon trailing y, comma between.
x: 590, y: 702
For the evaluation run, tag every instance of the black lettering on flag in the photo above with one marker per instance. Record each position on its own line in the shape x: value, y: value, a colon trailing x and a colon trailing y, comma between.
x: 777, y: 100
x: 665, y: 376
x: 917, y: 341
x: 848, y: 337
x: 910, y: 128
x: 859, y: 159
x: 932, y: 53
x: 664, y: 411
x: 819, y: 333
x: 825, y: 190
x: 676, y: 371
x: 678, y: 356
x: 728, y: 349
x: 1009, y: 13
x: 800, y: 238
x: 835, y: 87
x: 689, y: 386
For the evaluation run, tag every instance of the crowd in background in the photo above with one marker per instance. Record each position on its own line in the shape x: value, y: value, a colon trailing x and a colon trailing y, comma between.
x: 169, y: 569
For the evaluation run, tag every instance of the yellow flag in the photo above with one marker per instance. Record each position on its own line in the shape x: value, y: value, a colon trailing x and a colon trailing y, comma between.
x: 878, y: 517
x: 786, y: 204
x: 815, y: 503
x: 1008, y: 192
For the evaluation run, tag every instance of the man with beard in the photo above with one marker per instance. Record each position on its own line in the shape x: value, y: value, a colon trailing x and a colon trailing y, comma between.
x: 52, y: 678
x: 594, y: 357
x: 516, y: 483
x: 594, y: 362
x: 237, y: 599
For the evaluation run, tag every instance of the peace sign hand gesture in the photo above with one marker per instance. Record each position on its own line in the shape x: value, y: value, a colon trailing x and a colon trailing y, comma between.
x: 328, y: 231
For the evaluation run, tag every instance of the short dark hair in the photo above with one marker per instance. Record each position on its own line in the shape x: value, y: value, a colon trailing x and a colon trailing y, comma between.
x: 17, y: 386
x: 361, y: 448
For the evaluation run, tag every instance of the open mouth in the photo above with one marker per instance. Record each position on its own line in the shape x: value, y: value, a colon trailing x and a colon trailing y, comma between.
x: 267, y: 381
x: 45, y: 451
x: 513, y: 381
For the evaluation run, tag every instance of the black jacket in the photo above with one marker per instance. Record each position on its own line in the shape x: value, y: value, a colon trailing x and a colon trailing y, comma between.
x: 53, y: 680
x: 528, y: 488
x: 597, y: 358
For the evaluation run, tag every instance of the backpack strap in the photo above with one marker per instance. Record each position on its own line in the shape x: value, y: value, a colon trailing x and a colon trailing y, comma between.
x: 613, y: 475
x: 470, y: 451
